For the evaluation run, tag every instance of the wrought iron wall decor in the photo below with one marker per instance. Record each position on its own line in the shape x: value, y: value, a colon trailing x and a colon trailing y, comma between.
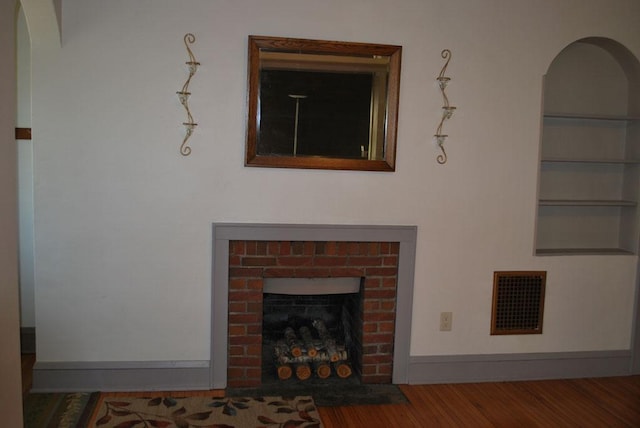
x: 183, y: 95
x: 447, y: 109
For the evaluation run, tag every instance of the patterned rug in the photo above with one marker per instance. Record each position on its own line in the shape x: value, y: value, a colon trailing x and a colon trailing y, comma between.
x: 58, y: 410
x: 115, y: 411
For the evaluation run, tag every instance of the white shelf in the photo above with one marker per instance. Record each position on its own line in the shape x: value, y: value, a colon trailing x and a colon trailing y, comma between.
x: 582, y: 251
x: 595, y: 117
x: 586, y: 160
x: 586, y: 203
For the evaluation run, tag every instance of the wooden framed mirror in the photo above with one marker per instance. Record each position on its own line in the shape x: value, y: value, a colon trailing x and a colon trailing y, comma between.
x: 322, y: 104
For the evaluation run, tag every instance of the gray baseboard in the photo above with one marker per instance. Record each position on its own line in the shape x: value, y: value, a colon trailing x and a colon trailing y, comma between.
x: 28, y: 340
x: 195, y: 375
x: 120, y: 376
x: 511, y: 367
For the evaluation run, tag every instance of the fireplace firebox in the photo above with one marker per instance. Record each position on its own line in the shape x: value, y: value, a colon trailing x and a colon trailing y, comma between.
x: 312, y: 330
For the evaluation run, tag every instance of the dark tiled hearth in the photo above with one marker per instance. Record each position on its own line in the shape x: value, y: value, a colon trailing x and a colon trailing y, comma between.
x: 327, y: 393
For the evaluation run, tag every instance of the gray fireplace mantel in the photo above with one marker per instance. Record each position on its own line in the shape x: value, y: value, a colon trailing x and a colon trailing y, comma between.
x: 225, y: 232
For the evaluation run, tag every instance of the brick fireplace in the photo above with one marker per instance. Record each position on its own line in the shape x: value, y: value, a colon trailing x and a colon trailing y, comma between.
x: 245, y: 254
x: 252, y: 261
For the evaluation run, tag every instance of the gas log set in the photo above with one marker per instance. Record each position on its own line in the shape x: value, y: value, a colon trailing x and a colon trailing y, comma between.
x: 303, y: 354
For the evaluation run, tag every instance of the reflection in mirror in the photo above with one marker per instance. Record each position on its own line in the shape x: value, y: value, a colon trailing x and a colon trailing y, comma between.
x: 321, y: 104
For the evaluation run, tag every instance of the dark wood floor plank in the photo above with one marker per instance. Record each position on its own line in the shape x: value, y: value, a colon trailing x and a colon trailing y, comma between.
x: 529, y: 404
x: 500, y: 406
x: 616, y: 396
x: 392, y: 415
x: 28, y: 360
x: 569, y: 405
x: 456, y: 404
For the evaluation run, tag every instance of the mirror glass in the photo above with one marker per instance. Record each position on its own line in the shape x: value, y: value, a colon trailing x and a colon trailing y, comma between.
x: 322, y: 104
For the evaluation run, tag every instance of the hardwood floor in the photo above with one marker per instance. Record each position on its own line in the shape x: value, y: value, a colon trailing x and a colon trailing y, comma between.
x: 28, y: 360
x: 601, y: 402
x: 594, y: 402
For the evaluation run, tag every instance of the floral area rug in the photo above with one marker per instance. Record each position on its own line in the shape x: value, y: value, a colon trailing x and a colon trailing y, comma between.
x: 58, y: 410
x: 205, y: 412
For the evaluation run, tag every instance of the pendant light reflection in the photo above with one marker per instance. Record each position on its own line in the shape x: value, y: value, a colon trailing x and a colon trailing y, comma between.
x: 296, y: 97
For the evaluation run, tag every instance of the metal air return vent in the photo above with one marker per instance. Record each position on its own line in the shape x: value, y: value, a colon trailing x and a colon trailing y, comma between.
x: 518, y: 302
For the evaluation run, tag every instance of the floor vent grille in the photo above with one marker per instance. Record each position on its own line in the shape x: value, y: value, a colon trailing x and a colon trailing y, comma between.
x: 518, y: 302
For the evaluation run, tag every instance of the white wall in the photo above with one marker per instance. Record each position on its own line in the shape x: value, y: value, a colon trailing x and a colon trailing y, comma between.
x: 123, y: 221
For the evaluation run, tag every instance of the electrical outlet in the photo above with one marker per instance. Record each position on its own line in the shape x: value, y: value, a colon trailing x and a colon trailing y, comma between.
x: 446, y: 320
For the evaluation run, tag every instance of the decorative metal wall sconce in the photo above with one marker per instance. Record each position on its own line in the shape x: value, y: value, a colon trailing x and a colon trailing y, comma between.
x: 447, y: 109
x: 183, y: 95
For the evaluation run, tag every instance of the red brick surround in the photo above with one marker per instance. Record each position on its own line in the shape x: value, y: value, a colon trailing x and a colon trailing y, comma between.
x: 251, y: 261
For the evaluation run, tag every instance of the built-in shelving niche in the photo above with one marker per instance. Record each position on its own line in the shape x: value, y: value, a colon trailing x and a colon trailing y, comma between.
x: 589, y: 181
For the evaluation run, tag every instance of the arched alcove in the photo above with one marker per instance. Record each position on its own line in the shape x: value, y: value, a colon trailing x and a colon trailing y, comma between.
x: 589, y: 167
